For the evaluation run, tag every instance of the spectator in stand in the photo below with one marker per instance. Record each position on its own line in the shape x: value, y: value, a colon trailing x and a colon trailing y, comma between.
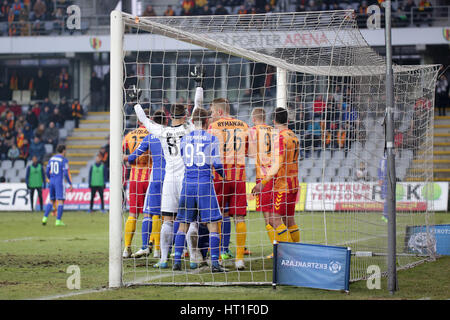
x: 28, y: 132
x: 36, y: 110
x: 106, y: 83
x: 221, y: 10
x: 65, y: 109
x: 77, y: 112
x: 4, y: 11
x: 149, y: 11
x: 57, y: 118
x: 319, y: 106
x: 361, y: 174
x: 425, y: 12
x: 64, y: 83
x: 268, y: 9
x: 96, y: 91
x: 442, y: 94
x: 39, y: 10
x: 187, y: 7
x: 37, y: 148
x: 15, y: 108
x: 45, y: 115
x: 409, y: 9
x: 242, y: 9
x: 42, y: 85
x: 313, y: 136
x: 16, y: 9
x: 48, y: 103
x: 13, y: 153
x: 25, y: 150
x: 58, y: 20
x: 3, y: 150
x: 169, y: 11
x: 199, y: 6
x: 205, y: 11
x: 51, y: 135
x: 20, y: 137
x: 31, y: 118
x: 39, y: 131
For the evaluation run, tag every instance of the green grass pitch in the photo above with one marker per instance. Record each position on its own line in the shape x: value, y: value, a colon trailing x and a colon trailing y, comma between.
x: 34, y: 261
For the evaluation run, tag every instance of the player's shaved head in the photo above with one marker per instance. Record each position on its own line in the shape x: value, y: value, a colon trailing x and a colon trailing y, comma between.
x: 259, y: 114
x: 200, y: 116
x: 280, y: 116
x: 221, y: 104
x: 177, y: 111
x: 160, y: 117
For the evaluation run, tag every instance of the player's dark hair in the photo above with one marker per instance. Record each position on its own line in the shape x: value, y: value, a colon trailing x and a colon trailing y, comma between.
x: 159, y: 117
x: 280, y: 115
x: 200, y: 115
x: 177, y: 111
x: 60, y: 148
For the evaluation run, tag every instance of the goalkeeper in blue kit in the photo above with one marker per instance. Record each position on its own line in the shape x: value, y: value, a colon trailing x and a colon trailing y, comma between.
x: 200, y: 153
x: 57, y: 170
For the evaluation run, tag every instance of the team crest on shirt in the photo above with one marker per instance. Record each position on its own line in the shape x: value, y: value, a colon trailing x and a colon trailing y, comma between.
x: 96, y: 43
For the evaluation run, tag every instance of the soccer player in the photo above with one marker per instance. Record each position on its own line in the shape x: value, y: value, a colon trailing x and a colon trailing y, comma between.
x: 170, y: 138
x: 284, y: 171
x: 260, y: 148
x: 151, y: 223
x: 57, y: 170
x: 138, y: 183
x: 200, y: 152
x: 231, y: 190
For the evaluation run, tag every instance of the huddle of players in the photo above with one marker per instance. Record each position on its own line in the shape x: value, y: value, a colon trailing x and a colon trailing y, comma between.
x: 197, y: 177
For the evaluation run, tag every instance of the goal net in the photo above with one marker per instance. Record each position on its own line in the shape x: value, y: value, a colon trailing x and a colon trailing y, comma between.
x: 318, y: 66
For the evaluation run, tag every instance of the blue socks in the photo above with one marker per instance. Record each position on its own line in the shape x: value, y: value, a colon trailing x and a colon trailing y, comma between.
x: 48, y: 209
x: 226, y: 233
x: 60, y: 212
x: 214, y: 243
x: 146, y: 231
x: 179, y: 246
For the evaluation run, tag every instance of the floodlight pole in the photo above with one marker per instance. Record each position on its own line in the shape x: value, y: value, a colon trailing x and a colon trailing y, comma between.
x: 390, y: 175
x: 115, y: 162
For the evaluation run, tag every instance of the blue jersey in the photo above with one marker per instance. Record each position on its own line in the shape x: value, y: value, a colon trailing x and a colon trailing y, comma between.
x: 200, y: 152
x: 150, y: 142
x: 58, y: 169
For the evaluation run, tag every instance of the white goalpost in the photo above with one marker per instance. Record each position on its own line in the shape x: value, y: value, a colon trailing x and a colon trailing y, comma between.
x: 318, y: 66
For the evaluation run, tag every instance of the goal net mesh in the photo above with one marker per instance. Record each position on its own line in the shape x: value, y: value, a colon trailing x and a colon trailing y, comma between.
x: 334, y: 90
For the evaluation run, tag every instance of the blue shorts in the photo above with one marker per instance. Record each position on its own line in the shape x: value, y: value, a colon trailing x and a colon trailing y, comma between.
x: 152, y: 203
x: 57, y: 191
x: 198, y: 198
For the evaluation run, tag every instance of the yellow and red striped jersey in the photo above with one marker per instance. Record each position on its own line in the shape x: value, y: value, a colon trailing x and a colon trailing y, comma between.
x: 287, y: 146
x: 140, y: 170
x: 261, y: 146
x: 233, y: 138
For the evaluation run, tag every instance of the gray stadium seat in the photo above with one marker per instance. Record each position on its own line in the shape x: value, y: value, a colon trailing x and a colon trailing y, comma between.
x: 6, y: 164
x: 63, y: 133
x: 19, y: 164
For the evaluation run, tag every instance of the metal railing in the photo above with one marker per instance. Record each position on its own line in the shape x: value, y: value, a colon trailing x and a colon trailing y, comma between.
x: 99, y: 24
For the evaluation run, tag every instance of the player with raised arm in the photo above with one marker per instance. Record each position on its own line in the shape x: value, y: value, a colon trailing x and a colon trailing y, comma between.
x: 170, y: 138
x: 138, y: 182
x: 200, y: 152
x: 261, y: 149
x: 151, y: 223
x: 231, y: 190
x: 57, y: 170
x: 284, y: 172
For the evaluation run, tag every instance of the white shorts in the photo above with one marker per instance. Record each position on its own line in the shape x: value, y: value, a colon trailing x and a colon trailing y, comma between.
x: 171, y: 192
